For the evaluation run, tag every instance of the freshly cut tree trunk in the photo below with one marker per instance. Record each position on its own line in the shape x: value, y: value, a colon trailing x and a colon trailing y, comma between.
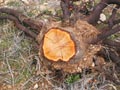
x: 58, y: 45
x: 68, y: 47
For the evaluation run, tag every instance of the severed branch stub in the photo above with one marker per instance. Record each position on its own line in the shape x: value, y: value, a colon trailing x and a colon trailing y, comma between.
x: 58, y: 45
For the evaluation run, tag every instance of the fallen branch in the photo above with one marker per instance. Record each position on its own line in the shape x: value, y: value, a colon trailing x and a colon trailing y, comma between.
x: 110, y: 54
x: 112, y: 44
x: 95, y: 14
x: 18, y: 25
x: 103, y: 35
x: 112, y: 17
x: 22, y: 18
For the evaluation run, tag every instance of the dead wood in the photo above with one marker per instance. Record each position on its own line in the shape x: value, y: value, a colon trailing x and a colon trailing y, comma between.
x: 112, y: 17
x: 106, y: 33
x: 19, y: 25
x: 34, y: 24
x: 95, y: 14
x: 110, y: 54
x: 113, y: 44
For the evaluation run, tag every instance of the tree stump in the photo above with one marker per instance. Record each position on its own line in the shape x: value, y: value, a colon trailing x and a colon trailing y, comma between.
x: 68, y: 48
x: 58, y: 45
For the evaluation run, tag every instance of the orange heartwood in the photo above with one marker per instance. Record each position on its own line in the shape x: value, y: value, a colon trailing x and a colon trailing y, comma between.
x: 58, y: 45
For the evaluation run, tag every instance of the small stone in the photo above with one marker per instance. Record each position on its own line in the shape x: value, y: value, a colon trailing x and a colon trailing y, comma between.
x: 79, y: 69
x: 36, y: 86
x: 93, y: 64
x: 102, y: 17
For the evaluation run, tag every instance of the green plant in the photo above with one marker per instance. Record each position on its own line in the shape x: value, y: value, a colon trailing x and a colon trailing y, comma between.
x: 72, y: 78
